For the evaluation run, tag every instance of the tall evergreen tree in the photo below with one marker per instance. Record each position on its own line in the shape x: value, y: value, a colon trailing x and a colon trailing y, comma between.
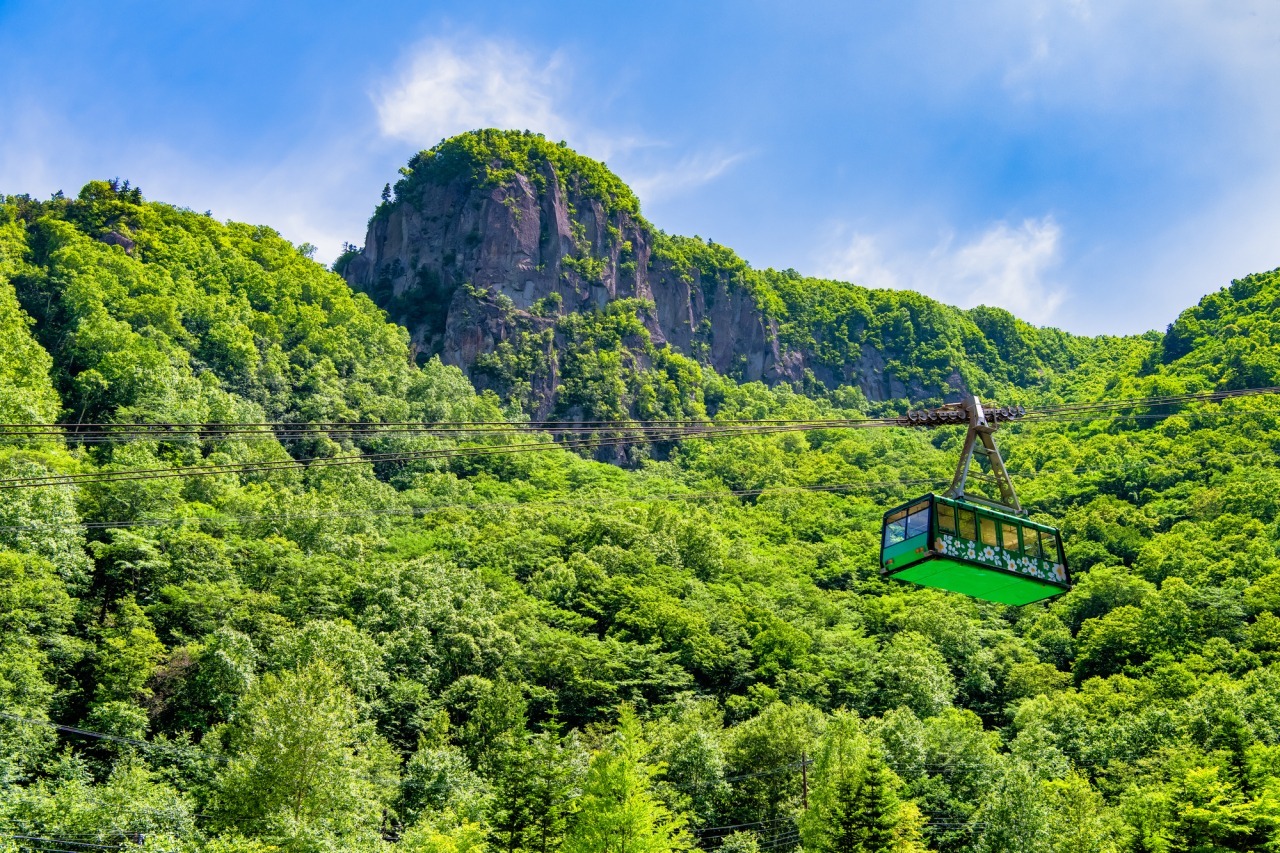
x: 855, y: 807
x: 876, y: 806
x: 618, y: 811
x: 535, y: 780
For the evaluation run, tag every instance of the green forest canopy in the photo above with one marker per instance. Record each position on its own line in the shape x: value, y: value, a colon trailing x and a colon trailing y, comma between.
x: 539, y: 652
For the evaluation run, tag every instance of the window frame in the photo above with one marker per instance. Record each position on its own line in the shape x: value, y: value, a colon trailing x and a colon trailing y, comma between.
x: 887, y: 526
x: 949, y: 509
x: 914, y: 512
x: 1005, y: 527
x: 995, y: 531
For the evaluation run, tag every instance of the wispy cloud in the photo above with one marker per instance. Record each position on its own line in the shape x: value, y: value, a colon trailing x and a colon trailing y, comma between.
x: 1006, y: 266
x: 692, y: 170
x: 317, y: 190
x: 1119, y: 53
x: 447, y: 88
x: 320, y: 187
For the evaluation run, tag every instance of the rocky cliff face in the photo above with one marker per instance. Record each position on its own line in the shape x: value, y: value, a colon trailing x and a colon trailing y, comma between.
x: 465, y: 264
x: 494, y: 240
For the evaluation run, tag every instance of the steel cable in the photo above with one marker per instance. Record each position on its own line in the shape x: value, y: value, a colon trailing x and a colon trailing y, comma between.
x: 357, y: 459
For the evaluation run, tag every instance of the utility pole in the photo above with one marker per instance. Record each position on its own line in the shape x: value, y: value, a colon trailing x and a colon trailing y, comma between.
x: 804, y: 779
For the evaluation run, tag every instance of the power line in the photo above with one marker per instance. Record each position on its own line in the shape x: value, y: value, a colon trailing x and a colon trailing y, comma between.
x: 734, y: 826
x: 666, y: 432
x: 418, y: 512
x: 67, y: 841
x: 277, y: 430
x: 783, y: 768
x: 255, y: 467
x: 359, y: 459
x: 1167, y: 400
x: 165, y: 428
x: 702, y: 430
x: 1089, y: 417
x: 384, y: 430
x: 102, y: 433
x: 442, y: 453
x: 459, y: 424
x: 185, y: 752
x: 782, y: 841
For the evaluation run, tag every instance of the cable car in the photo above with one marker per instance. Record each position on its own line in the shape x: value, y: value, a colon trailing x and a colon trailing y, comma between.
x: 968, y: 544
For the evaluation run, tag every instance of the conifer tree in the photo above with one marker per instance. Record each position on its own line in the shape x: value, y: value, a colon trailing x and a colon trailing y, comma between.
x: 618, y: 811
x: 855, y: 802
x: 875, y: 806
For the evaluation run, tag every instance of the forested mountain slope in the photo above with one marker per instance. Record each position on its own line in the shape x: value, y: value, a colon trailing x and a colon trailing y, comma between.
x: 496, y: 249
x: 531, y: 651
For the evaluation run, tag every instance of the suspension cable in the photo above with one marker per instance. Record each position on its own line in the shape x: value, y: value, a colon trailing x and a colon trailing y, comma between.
x: 594, y: 441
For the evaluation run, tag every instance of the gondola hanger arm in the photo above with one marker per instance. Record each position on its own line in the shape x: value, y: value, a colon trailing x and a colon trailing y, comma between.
x: 982, y: 423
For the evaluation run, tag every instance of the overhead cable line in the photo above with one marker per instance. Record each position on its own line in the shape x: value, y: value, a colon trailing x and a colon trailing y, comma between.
x: 187, y: 752
x: 105, y: 433
x: 1137, y: 402
x: 36, y: 839
x: 508, y: 505
x: 700, y: 830
x: 264, y: 466
x: 360, y: 459
x: 701, y: 431
x: 292, y: 429
x: 383, y: 432
x: 531, y: 424
x: 418, y: 512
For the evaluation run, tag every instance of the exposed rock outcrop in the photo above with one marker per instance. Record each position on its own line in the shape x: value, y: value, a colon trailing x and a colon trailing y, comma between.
x: 494, y: 240
x: 454, y: 260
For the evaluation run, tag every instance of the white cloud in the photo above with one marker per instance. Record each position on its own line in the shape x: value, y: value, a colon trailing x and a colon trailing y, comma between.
x: 321, y: 186
x: 445, y: 89
x: 690, y: 171
x: 1005, y: 266
x: 319, y: 189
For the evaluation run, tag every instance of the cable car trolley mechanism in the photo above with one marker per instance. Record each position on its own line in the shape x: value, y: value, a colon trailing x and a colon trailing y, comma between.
x: 967, y: 544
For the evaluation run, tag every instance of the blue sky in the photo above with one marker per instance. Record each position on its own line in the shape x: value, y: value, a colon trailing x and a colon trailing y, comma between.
x: 1094, y: 166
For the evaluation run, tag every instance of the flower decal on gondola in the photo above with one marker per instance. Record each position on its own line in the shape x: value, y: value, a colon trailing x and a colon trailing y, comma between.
x: 999, y: 558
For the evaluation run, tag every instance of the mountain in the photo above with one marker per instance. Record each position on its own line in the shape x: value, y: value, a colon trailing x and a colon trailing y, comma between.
x: 491, y: 239
x: 289, y: 633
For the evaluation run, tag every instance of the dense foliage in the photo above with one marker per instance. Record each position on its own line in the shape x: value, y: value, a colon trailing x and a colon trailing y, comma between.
x: 495, y: 157
x: 538, y: 652
x: 925, y: 348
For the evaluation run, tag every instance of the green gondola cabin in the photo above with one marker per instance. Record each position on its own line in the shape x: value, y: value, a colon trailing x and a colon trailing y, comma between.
x: 973, y: 549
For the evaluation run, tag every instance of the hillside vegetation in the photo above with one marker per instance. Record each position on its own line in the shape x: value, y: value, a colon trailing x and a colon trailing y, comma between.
x: 538, y: 652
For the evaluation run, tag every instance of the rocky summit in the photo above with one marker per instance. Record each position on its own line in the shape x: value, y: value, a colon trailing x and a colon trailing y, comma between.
x: 489, y: 240
x: 469, y: 257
